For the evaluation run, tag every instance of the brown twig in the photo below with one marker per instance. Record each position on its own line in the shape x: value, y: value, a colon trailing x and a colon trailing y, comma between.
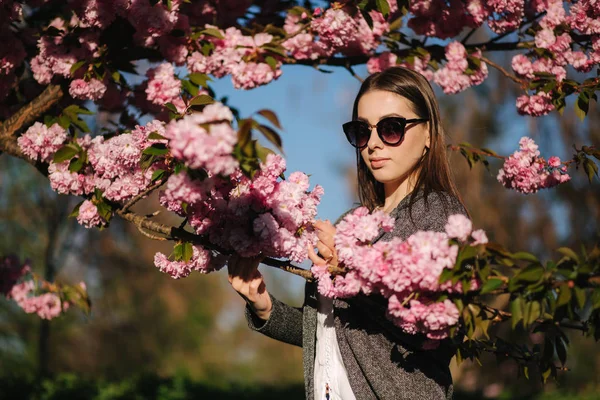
x: 353, y: 73
x: 476, y: 151
x: 504, y: 72
x: 149, y: 235
x: 143, y: 193
x: 499, y: 316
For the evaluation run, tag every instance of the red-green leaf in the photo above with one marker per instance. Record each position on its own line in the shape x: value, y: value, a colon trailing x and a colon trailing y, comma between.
x: 201, y: 100
x: 271, y: 116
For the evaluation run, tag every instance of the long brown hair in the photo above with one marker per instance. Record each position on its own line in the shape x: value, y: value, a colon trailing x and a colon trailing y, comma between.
x: 432, y: 170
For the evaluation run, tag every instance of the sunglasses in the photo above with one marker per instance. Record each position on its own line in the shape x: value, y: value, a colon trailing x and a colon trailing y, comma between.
x: 390, y: 130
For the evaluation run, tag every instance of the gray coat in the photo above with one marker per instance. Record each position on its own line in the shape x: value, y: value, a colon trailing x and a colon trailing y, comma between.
x: 381, y: 360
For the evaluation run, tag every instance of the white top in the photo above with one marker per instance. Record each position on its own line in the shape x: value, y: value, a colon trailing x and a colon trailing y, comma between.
x: 329, y: 367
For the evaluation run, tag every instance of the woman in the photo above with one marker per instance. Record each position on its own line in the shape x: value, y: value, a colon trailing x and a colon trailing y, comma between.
x: 350, y: 349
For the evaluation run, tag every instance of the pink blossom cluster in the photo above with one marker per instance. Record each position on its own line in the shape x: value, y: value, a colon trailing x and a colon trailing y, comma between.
x: 262, y: 215
x: 40, y: 142
x: 58, y: 53
x: 455, y: 76
x: 46, y: 306
x: 201, y: 261
x: 231, y: 56
x: 302, y: 45
x: 114, y: 165
x: 535, y: 105
x: 446, y: 19
x: 93, y: 89
x: 162, y: 86
x: 406, y: 272
x: 527, y: 172
x: 339, y: 31
x: 388, y: 59
x: 152, y: 21
x: 88, y: 215
x: 205, y: 146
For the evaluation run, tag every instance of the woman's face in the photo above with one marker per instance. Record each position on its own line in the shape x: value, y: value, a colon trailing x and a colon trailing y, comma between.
x: 387, y: 163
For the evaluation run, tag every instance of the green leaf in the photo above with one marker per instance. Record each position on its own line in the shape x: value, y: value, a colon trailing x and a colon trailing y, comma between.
x: 76, y: 66
x: 201, y: 100
x: 156, y: 136
x: 189, y: 87
x: 271, y: 116
x: 523, y: 255
x: 80, y: 124
x: 271, y: 62
x: 564, y: 295
x: 567, y: 252
x: 516, y: 309
x: 64, y: 121
x: 158, y: 174
x: 383, y: 7
x: 531, y: 273
x: 532, y: 312
x: 187, y: 252
x: 65, y: 153
x: 279, y: 50
x: 200, y: 79
x: 595, y: 297
x: 445, y: 275
x: 104, y: 210
x: 590, y: 168
x: 76, y: 164
x: 582, y: 105
x: 491, y: 285
x: 262, y: 152
x: 75, y: 211
x: 157, y: 149
x: 546, y: 374
x: 212, y: 32
x: 579, y: 296
x: 244, y: 131
x: 271, y: 135
x: 178, y: 251
x: 171, y: 107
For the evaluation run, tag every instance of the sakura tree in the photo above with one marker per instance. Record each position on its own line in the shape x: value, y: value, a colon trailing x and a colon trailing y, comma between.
x: 64, y: 60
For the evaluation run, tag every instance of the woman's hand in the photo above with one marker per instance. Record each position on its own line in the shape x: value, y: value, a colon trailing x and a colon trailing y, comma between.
x: 325, y: 245
x: 248, y: 282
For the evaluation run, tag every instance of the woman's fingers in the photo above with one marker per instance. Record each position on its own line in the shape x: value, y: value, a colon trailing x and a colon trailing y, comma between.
x: 324, y: 250
x: 314, y: 257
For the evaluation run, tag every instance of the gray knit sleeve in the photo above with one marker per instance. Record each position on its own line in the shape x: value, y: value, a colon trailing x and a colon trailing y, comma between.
x: 284, y: 323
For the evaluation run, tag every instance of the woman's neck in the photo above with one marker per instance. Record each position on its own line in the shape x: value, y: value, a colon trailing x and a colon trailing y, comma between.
x: 395, y: 192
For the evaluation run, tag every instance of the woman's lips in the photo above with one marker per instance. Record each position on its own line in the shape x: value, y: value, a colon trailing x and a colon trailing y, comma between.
x: 378, y: 162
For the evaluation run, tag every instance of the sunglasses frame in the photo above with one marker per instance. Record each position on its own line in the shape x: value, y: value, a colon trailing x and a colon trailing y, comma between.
x: 370, y: 127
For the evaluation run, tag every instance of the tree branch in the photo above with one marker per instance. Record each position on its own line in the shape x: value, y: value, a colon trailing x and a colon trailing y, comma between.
x: 31, y: 111
x: 505, y: 72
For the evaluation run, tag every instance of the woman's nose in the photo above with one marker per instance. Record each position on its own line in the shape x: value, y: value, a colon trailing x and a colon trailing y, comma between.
x: 374, y: 140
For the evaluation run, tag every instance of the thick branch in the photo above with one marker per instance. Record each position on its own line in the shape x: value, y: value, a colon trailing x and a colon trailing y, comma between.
x: 174, y: 233
x: 32, y: 111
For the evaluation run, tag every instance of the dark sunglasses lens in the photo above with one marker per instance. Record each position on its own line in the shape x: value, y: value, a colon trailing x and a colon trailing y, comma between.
x: 391, y: 130
x: 357, y: 133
